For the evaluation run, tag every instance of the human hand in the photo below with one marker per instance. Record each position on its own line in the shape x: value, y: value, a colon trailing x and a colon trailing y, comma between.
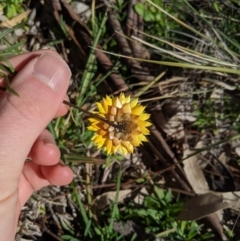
x: 42, y: 81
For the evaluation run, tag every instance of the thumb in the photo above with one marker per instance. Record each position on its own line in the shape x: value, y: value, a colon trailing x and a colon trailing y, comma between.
x: 41, y: 85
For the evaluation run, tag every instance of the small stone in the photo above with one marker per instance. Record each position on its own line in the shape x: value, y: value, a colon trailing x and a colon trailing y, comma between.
x: 18, y: 32
x: 82, y: 10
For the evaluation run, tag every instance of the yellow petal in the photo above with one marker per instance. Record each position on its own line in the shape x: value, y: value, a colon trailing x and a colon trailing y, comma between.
x: 144, y: 116
x: 137, y: 132
x: 116, y: 102
x: 138, y: 109
x: 128, y: 99
x: 147, y: 123
x: 123, y: 150
x: 92, y: 128
x: 134, y: 102
x: 108, y: 145
x: 142, y: 138
x: 97, y: 138
x: 109, y: 100
x: 126, y: 108
x: 114, y: 149
x: 99, y: 141
x: 144, y: 130
x: 100, y: 108
x: 93, y: 120
x: 108, y: 150
x: 95, y: 126
x: 122, y: 98
x: 100, y: 144
x: 105, y: 105
x: 125, y: 143
x: 128, y: 146
x: 135, y: 140
x: 143, y: 124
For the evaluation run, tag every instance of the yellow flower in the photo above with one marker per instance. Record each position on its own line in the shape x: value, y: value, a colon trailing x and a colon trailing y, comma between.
x: 125, y: 127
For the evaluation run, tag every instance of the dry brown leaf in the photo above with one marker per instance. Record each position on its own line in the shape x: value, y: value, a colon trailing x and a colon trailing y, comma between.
x: 107, y: 198
x: 201, y: 206
x: 14, y: 21
x: 214, y: 220
x: 194, y: 173
x: 230, y: 197
x: 206, y: 205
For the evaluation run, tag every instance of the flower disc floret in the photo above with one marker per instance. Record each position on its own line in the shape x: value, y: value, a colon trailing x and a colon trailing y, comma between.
x: 126, y: 125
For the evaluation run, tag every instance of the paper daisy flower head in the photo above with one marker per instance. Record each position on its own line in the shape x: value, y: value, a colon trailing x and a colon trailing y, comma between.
x: 122, y: 124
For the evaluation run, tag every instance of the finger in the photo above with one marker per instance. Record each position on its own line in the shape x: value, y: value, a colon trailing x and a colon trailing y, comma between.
x: 41, y: 85
x: 44, y: 151
x: 36, y: 177
x: 57, y: 175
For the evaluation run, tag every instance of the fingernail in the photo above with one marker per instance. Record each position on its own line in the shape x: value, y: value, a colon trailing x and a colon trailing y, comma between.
x: 49, y: 141
x: 53, y: 71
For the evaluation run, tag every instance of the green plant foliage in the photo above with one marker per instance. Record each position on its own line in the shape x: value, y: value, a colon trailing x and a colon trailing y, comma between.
x: 155, y: 217
x: 209, y: 113
x: 157, y: 23
x: 12, y: 7
x: 69, y: 238
x: 7, y: 70
x: 158, y: 214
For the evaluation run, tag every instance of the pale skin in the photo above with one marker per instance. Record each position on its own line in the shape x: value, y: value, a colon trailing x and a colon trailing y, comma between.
x: 23, y: 121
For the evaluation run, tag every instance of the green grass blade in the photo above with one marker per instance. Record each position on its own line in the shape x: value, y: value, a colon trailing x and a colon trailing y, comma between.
x: 148, y: 86
x: 81, y: 207
x: 181, y: 65
x: 115, y: 205
x: 91, y: 63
